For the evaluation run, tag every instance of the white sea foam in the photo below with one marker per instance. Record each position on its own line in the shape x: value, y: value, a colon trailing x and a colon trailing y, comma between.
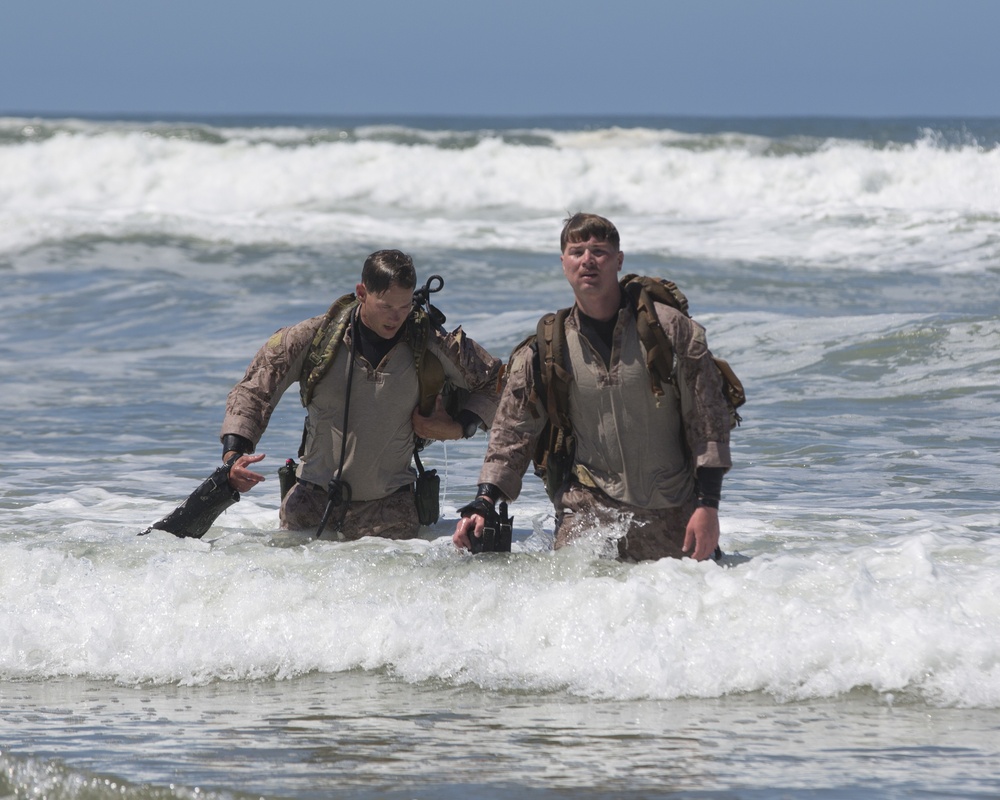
x: 841, y: 202
x: 906, y: 614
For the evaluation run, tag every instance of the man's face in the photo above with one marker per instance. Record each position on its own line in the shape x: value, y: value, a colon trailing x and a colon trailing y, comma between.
x: 385, y: 313
x: 592, y: 267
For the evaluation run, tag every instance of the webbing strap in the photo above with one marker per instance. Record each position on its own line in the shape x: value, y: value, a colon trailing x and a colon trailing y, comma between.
x: 321, y: 358
x: 659, y: 351
x: 430, y: 372
x: 551, y: 337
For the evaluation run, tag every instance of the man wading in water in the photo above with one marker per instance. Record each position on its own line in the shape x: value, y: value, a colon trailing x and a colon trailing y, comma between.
x: 362, y: 390
x: 651, y: 461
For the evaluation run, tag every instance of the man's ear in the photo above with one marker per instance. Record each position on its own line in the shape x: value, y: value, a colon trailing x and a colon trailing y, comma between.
x: 360, y: 291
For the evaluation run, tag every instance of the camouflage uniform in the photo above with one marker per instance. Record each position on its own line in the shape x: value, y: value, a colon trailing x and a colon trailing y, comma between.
x: 636, y: 453
x: 380, y: 435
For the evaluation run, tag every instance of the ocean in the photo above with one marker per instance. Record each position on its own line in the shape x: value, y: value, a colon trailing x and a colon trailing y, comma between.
x: 847, y: 647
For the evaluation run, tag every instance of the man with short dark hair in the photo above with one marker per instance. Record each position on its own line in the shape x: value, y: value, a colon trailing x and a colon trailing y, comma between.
x: 647, y: 469
x: 361, y: 386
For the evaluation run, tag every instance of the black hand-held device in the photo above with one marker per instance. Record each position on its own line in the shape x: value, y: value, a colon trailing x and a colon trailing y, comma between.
x: 496, y: 534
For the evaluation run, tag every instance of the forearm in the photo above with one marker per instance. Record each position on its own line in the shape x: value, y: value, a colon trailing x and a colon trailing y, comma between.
x: 708, y: 485
x: 509, y: 452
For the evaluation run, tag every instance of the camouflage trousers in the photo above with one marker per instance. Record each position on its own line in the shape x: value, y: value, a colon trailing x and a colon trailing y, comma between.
x: 619, y: 530
x: 392, y: 517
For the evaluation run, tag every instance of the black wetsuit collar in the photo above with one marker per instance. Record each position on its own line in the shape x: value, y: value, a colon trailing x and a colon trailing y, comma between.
x: 374, y: 348
x: 600, y: 333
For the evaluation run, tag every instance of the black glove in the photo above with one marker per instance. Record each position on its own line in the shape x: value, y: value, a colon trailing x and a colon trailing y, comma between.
x: 499, y: 528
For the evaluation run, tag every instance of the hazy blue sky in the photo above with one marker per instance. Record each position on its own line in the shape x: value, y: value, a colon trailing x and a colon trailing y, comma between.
x: 520, y: 57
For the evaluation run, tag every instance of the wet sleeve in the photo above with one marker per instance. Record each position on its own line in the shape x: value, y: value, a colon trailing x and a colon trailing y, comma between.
x: 275, y: 367
x: 703, y: 403
x: 519, y: 421
x: 471, y: 367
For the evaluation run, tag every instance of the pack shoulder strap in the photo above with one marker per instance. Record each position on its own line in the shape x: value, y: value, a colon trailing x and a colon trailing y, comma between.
x: 550, y: 338
x: 553, y: 455
x: 325, y: 344
x: 643, y: 292
x: 430, y: 371
x: 330, y: 335
x: 660, y: 289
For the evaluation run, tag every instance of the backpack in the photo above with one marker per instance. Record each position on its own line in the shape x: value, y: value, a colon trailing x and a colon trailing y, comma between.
x: 553, y: 457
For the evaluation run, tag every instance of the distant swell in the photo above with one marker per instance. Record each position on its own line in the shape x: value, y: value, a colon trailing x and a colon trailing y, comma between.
x: 863, y: 203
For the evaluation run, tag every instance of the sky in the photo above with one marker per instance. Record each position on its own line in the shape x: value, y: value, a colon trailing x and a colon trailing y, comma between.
x: 872, y: 58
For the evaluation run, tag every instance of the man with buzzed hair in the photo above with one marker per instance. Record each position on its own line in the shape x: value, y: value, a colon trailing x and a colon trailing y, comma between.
x: 646, y: 472
x: 361, y: 386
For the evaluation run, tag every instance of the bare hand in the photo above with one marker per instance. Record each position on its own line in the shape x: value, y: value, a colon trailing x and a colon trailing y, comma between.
x: 472, y: 525
x: 438, y: 426
x: 702, y: 535
x: 241, y: 478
